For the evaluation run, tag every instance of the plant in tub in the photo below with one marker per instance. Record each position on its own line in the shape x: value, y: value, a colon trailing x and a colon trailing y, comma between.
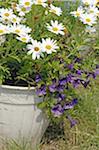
x: 41, y: 48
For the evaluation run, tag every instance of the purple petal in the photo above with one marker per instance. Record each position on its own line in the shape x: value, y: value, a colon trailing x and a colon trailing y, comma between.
x: 60, y: 88
x: 70, y: 78
x: 57, y: 110
x: 79, y: 72
x: 41, y: 91
x: 63, y: 81
x: 61, y: 97
x: 76, y: 83
x: 78, y: 60
x: 97, y: 72
x: 71, y: 104
x: 52, y: 88
x: 70, y: 66
x: 72, y: 121
x: 97, y: 66
x: 74, y: 101
x: 38, y: 78
x: 93, y: 75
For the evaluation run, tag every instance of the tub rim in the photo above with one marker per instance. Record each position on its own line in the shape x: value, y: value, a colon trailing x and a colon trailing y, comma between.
x: 17, y: 87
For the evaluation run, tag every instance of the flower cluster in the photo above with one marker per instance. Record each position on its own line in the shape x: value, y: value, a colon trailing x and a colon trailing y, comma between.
x: 12, y: 23
x: 59, y: 87
x: 88, y: 12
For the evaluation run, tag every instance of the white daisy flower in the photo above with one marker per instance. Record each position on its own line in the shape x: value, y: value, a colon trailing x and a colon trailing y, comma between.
x: 20, y: 29
x: 88, y: 19
x: 24, y: 38
x: 78, y: 12
x: 56, y: 27
x: 49, y: 45
x: 15, y: 19
x: 5, y: 21
x: 55, y: 10
x: 93, y: 10
x: 5, y: 15
x: 26, y: 3
x: 40, y: 2
x: 22, y: 10
x: 35, y: 49
x: 3, y: 29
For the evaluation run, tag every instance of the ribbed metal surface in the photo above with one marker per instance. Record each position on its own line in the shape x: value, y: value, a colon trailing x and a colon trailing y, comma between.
x: 19, y: 117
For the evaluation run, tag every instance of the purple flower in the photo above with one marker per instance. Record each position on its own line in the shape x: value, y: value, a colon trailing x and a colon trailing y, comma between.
x: 72, y: 121
x: 79, y: 72
x: 60, y: 88
x: 70, y: 78
x: 70, y: 66
x: 41, y: 91
x: 97, y: 72
x: 52, y: 88
x: 61, y: 97
x: 71, y: 104
x: 57, y: 110
x: 97, y: 66
x: 78, y: 60
x: 93, y: 75
x: 76, y: 83
x: 63, y: 81
x: 38, y: 78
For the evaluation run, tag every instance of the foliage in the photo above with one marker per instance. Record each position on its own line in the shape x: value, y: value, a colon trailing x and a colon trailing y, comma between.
x: 54, y: 75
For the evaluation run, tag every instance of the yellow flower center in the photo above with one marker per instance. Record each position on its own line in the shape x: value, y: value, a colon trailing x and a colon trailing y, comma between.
x: 55, y: 29
x: 6, y: 20
x: 24, y: 39
x: 36, y: 49
x: 86, y: 3
x: 1, y: 31
x: 27, y: 3
x: 7, y: 14
x: 88, y: 20
x: 91, y: 11
x: 39, y: 1
x: 23, y: 9
x: 48, y: 47
x: 14, y: 20
x: 17, y: 31
x: 54, y: 11
x: 77, y: 14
